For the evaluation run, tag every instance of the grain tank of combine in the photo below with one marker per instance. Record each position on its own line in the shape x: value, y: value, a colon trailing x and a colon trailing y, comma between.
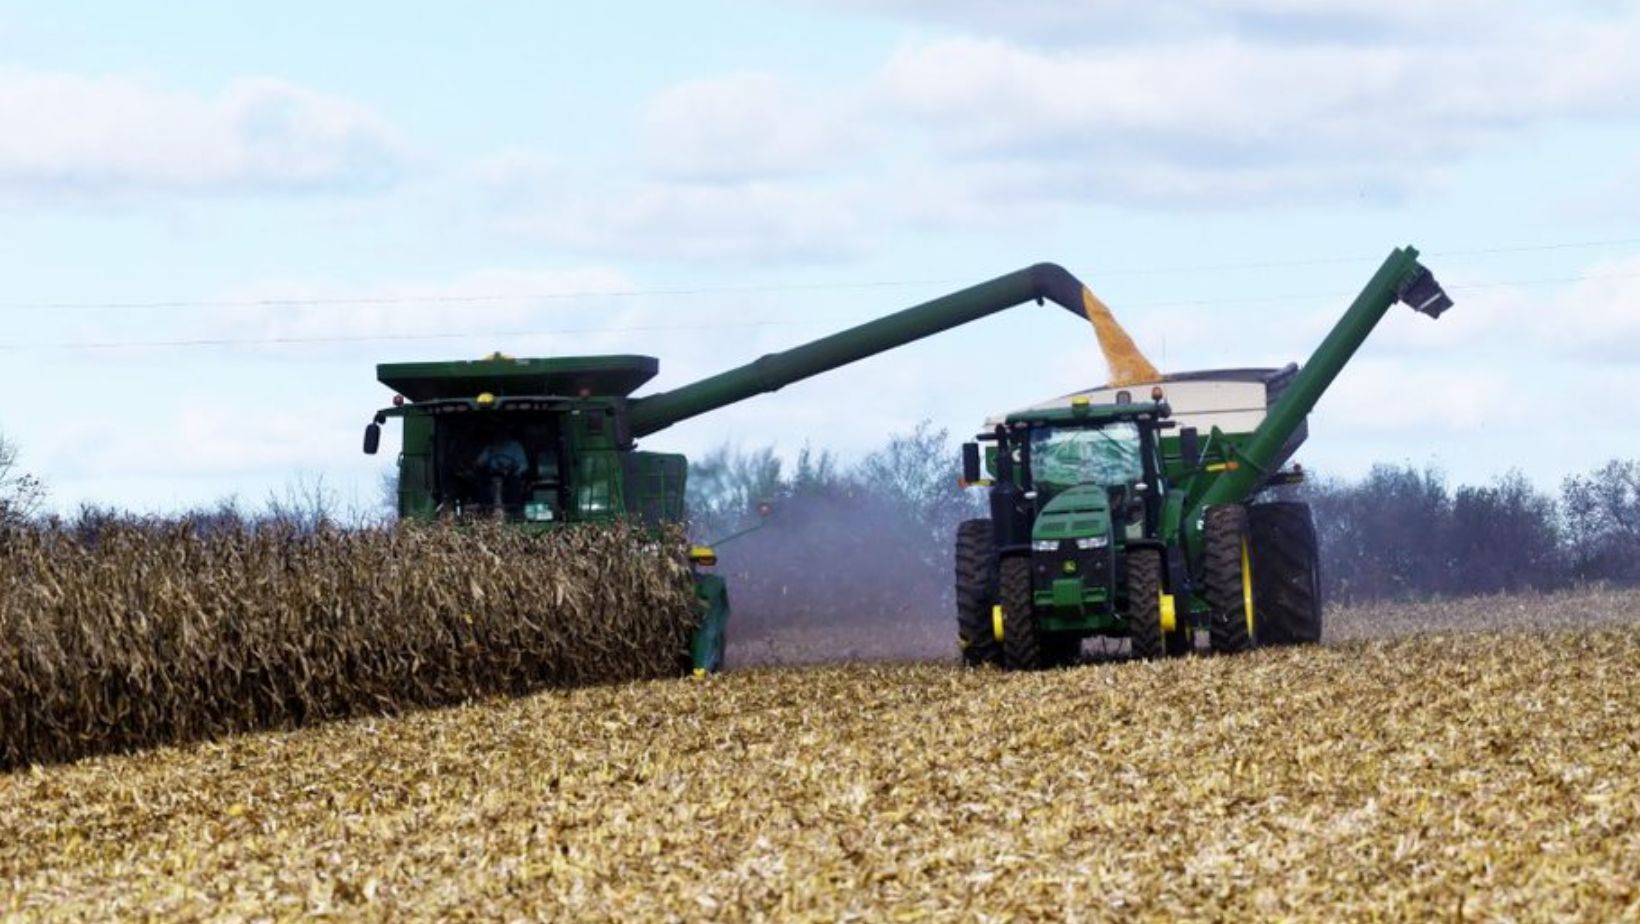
x: 1127, y: 512
x: 549, y: 442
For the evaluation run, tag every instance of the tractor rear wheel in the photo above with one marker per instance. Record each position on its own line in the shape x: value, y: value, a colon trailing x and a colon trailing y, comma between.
x: 1227, y: 580
x: 1021, y: 640
x: 977, y: 593
x: 1144, y: 593
x: 1287, y: 585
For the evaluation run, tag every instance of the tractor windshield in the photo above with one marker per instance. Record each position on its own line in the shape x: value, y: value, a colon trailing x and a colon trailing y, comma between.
x: 1065, y: 456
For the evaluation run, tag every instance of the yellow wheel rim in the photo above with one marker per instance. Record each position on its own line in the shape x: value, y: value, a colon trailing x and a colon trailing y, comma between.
x: 996, y: 622
x: 1247, y: 586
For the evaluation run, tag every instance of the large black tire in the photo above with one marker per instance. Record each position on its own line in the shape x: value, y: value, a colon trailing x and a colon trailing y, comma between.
x: 1144, y: 594
x: 1021, y: 641
x: 1287, y: 573
x: 977, y: 593
x: 1227, y: 580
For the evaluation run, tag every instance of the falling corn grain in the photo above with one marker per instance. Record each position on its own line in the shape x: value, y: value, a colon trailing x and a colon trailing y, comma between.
x: 1126, y: 364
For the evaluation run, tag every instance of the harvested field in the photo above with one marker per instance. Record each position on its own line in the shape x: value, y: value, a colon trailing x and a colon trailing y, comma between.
x: 130, y: 633
x: 1452, y: 776
x: 928, y: 634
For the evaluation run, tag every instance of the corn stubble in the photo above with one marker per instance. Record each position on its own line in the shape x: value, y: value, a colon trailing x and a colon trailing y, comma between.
x: 1445, y: 776
x: 140, y: 633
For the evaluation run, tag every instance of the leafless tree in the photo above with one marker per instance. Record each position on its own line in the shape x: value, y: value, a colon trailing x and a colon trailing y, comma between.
x: 1602, y: 513
x: 21, y: 494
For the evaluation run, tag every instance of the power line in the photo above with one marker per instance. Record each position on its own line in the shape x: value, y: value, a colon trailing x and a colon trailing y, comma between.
x: 465, y: 299
x: 690, y: 291
x: 728, y: 325
x: 367, y: 338
x: 1311, y: 296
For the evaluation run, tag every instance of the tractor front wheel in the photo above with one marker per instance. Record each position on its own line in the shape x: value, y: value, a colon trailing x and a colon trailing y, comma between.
x: 1021, y: 640
x: 1146, y: 636
x: 1227, y: 579
x: 977, y: 593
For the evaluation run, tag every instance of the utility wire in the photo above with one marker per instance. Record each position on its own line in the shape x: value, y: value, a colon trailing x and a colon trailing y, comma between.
x: 465, y: 299
x: 728, y: 325
x: 1462, y: 287
x: 689, y: 291
x: 368, y: 338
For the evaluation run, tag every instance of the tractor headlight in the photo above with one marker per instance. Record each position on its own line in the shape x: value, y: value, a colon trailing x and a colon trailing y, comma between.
x: 1092, y: 542
x: 1045, y: 545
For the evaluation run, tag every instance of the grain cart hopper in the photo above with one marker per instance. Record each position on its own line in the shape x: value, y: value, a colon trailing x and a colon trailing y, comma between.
x: 554, y: 441
x: 1120, y: 513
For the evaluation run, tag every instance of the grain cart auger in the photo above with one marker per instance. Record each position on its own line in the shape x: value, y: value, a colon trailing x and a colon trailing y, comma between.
x: 550, y: 442
x: 1114, y: 516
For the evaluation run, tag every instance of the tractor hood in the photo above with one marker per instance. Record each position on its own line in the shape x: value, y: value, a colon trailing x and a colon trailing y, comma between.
x: 1074, y: 513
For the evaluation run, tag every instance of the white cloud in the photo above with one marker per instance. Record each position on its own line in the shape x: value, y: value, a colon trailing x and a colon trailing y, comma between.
x: 1376, y: 397
x: 1184, y: 115
x: 745, y: 219
x: 1099, y: 22
x: 211, y: 438
x: 100, y: 136
x: 1594, y: 317
x: 494, y: 299
x: 742, y: 126
x: 959, y: 131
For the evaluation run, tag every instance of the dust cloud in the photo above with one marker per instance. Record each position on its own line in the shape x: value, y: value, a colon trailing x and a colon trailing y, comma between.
x: 839, y: 577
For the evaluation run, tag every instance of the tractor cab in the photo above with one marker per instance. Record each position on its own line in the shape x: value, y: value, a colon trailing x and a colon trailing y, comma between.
x: 1080, y: 469
x: 1071, y: 487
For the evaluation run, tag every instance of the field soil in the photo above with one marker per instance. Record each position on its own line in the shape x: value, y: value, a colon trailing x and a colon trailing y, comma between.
x: 1467, y: 760
x: 814, y: 636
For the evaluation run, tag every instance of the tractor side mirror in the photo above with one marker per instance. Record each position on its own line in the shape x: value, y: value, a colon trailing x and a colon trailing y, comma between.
x: 372, y: 438
x: 970, y: 462
x: 1190, y: 446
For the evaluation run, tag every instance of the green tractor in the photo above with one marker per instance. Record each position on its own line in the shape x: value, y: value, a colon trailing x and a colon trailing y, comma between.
x: 1133, y: 516
x: 551, y: 442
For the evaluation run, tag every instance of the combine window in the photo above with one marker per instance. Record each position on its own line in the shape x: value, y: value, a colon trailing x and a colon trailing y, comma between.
x: 508, y: 464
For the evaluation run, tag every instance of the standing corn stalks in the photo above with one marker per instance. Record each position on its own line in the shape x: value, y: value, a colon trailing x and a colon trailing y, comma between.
x: 143, y: 632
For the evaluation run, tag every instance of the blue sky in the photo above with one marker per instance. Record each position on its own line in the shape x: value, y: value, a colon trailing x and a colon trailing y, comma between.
x: 418, y: 181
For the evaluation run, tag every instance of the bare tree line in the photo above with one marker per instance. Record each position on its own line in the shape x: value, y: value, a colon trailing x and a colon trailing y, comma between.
x: 876, y: 535
x: 881, y: 530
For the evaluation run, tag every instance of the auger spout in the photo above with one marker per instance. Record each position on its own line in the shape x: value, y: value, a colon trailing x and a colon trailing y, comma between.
x: 1041, y: 282
x: 1400, y: 278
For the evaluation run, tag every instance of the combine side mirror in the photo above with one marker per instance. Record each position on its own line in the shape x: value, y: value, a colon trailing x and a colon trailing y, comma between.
x: 970, y: 462
x: 1190, y: 446
x: 372, y: 438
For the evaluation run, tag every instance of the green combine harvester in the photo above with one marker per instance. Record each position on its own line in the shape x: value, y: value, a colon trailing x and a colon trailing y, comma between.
x: 554, y: 441
x: 1131, y: 515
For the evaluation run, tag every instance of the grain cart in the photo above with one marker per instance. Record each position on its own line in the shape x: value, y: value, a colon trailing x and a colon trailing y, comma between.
x: 1118, y: 513
x: 554, y: 441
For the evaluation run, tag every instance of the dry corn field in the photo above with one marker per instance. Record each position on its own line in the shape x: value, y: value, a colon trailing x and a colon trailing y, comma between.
x: 1474, y: 775
x: 141, y: 632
